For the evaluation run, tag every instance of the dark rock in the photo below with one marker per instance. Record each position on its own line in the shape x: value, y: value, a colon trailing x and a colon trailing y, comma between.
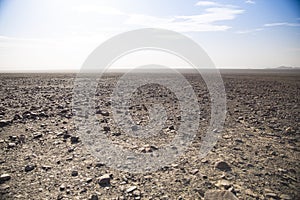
x: 106, y: 128
x: 46, y: 167
x: 104, y: 180
x: 223, y: 166
x: 62, y: 187
x: 94, y: 197
x: 29, y: 167
x: 66, y: 135
x: 88, y: 180
x: 74, y: 173
x: 4, y: 177
x: 99, y: 164
x: 22, y: 138
x: 74, y: 139
x: 4, y: 123
x: 13, y: 138
x: 18, y: 116
x: 116, y: 134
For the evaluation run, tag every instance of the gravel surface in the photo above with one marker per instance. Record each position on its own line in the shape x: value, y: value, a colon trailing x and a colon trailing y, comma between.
x: 256, y: 157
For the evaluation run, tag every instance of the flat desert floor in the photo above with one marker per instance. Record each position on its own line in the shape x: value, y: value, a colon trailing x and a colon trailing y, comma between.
x: 256, y: 157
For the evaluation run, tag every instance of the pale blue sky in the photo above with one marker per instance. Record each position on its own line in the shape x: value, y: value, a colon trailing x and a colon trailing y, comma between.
x: 54, y: 34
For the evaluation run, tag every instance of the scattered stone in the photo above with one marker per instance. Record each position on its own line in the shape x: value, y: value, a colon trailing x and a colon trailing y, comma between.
x: 106, y: 128
x: 88, y: 180
x: 99, y: 164
x: 18, y: 116
x: 285, y: 197
x: 148, y: 148
x: 46, y: 167
x: 223, y: 166
x: 13, y: 137
x: 94, y: 197
x: 104, y: 113
x: 223, y: 183
x: 29, y: 168
x: 288, y: 130
x: 219, y: 195
x: 250, y: 192
x: 131, y: 189
x: 11, y: 145
x: 62, y: 187
x: 71, y: 149
x: 4, y: 123
x: 74, y: 139
x: 116, y: 134
x: 273, y: 195
x: 4, y: 188
x: 74, y: 173
x: 69, y: 158
x: 22, y: 138
x: 260, y: 151
x: 37, y: 135
x: 136, y: 193
x: 4, y: 178
x: 104, y: 180
x: 66, y: 135
x: 194, y: 171
x: 83, y: 190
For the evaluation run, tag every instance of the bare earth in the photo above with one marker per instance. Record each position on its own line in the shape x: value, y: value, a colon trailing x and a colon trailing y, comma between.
x: 257, y: 156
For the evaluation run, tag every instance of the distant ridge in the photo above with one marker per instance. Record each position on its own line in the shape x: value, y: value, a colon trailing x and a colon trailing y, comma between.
x: 285, y: 67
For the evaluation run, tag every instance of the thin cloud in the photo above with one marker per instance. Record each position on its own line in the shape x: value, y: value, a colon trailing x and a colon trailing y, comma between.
x: 282, y: 24
x: 173, y: 23
x: 207, y: 3
x: 213, y: 4
x: 250, y: 2
x: 249, y: 31
x: 189, y: 23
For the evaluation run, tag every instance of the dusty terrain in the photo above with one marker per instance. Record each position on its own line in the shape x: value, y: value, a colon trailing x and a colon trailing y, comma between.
x: 257, y: 156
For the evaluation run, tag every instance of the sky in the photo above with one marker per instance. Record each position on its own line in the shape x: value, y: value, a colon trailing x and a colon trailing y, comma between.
x: 60, y: 34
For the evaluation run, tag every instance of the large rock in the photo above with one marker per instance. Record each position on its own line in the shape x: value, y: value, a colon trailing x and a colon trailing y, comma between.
x: 104, y: 180
x: 219, y: 195
x: 29, y: 168
x: 4, y: 123
x: 4, y: 177
x: 223, y: 166
x: 74, y: 139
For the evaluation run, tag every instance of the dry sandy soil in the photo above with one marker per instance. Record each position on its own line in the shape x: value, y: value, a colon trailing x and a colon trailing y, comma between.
x: 256, y: 157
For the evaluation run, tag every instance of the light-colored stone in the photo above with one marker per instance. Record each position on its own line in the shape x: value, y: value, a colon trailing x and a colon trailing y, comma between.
x: 131, y: 189
x: 219, y: 195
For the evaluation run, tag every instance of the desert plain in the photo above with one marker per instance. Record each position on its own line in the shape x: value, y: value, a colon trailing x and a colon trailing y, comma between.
x: 256, y: 156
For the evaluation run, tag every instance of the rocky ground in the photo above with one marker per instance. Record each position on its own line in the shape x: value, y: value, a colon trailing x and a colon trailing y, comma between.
x: 257, y: 156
